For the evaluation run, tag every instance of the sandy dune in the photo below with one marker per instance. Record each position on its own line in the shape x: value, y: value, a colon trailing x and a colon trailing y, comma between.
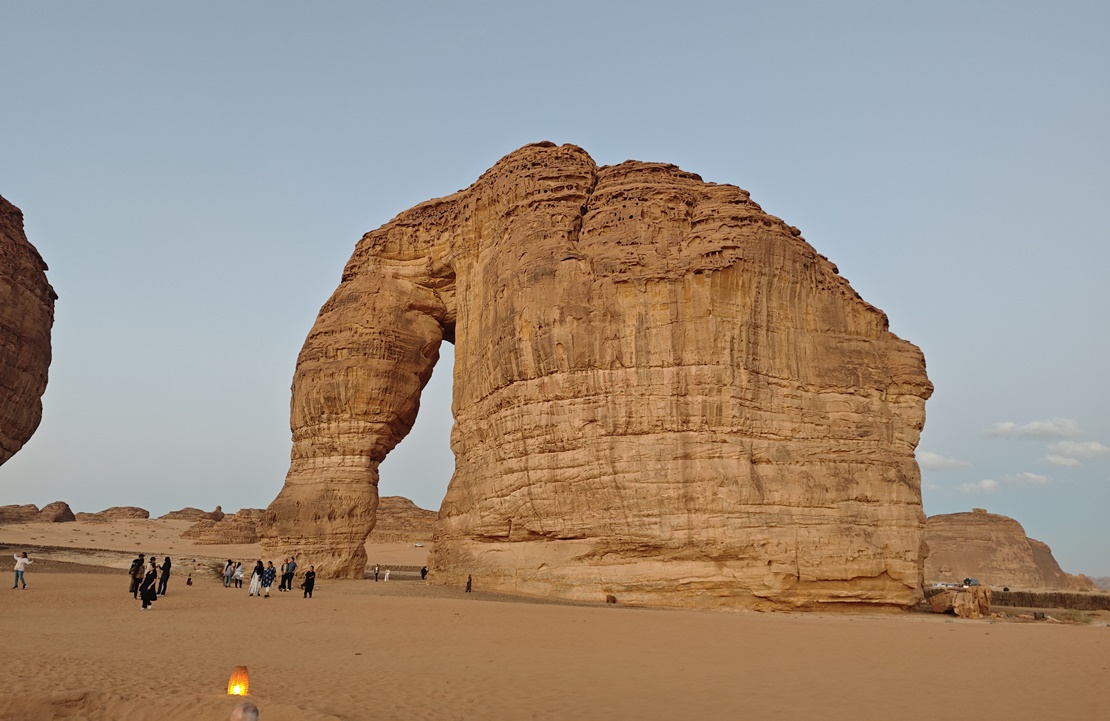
x: 76, y: 646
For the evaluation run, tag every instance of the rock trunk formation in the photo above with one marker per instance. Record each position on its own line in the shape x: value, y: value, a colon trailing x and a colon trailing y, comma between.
x: 661, y: 393
x: 26, y: 318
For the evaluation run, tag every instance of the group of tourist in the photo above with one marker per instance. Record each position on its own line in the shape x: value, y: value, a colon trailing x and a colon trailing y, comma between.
x: 149, y: 580
x: 262, y: 577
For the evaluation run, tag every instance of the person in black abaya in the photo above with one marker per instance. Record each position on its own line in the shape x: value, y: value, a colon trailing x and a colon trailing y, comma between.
x: 164, y: 578
x: 148, y: 588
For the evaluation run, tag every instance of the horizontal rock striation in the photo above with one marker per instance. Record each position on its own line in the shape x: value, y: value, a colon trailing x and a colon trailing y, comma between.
x: 661, y: 393
x: 26, y: 318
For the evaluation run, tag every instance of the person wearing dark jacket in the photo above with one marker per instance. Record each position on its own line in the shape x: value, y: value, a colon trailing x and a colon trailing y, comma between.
x: 138, y: 566
x: 147, y: 590
x: 309, y: 581
x: 164, y: 578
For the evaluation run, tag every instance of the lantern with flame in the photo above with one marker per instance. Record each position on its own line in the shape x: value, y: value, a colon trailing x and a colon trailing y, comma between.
x: 237, y: 684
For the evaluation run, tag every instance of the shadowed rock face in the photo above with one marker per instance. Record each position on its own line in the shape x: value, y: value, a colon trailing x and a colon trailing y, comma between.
x: 26, y: 317
x: 661, y: 393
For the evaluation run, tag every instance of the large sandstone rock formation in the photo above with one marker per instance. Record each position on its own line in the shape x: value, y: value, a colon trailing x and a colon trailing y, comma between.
x: 661, y: 393
x: 993, y: 549
x: 26, y: 317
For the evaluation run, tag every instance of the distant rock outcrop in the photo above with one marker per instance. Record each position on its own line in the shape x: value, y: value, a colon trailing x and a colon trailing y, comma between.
x: 193, y: 514
x: 115, y: 513
x: 56, y: 512
x: 26, y: 317
x: 402, y: 521
x: 661, y: 393
x: 231, y: 528
x: 993, y: 549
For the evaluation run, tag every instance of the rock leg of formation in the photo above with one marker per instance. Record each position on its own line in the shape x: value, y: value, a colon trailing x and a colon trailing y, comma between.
x: 26, y: 318
x: 661, y: 394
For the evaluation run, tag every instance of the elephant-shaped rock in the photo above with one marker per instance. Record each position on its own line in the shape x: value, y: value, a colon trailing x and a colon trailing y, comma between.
x: 661, y: 394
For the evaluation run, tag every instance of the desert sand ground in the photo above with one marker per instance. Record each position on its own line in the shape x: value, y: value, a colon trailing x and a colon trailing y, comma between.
x: 76, y: 646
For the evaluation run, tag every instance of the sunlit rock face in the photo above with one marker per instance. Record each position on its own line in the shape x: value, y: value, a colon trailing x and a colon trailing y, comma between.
x: 26, y: 318
x: 993, y: 549
x: 661, y: 393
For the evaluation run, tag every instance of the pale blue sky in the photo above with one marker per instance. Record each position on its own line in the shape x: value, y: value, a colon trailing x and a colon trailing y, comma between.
x: 197, y: 174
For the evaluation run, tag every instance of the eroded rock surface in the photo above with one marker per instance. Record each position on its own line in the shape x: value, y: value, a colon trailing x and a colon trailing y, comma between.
x: 26, y: 318
x: 661, y: 393
x: 993, y: 549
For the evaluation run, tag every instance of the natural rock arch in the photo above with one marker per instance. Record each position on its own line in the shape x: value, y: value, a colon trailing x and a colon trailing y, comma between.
x: 661, y: 393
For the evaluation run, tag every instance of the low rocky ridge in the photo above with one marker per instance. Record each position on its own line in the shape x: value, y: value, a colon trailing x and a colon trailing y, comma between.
x: 193, y: 514
x: 114, y: 513
x: 231, y: 528
x: 993, y: 549
x: 56, y: 512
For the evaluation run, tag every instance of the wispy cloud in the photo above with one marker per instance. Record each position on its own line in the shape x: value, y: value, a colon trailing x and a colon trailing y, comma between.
x: 1027, y: 479
x: 1051, y: 428
x: 1064, y: 461
x: 1020, y: 480
x: 987, y: 485
x: 1084, y: 449
x: 936, y: 462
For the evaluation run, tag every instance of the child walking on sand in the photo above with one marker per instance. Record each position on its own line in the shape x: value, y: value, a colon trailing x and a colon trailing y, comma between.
x: 20, y: 566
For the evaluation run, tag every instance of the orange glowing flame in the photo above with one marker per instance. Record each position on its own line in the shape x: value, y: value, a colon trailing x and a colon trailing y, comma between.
x: 237, y: 685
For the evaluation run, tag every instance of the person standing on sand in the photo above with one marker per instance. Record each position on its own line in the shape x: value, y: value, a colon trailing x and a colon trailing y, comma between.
x: 21, y: 566
x: 237, y: 574
x: 387, y: 574
x: 136, y: 573
x: 255, y: 589
x: 165, y: 577
x: 290, y: 572
x: 228, y: 570
x: 469, y: 582
x: 147, y: 590
x: 376, y: 569
x: 281, y: 584
x: 268, y: 577
x: 424, y: 573
x: 309, y: 581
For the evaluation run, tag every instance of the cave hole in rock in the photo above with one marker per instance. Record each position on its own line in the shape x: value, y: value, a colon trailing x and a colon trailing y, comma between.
x: 420, y: 467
